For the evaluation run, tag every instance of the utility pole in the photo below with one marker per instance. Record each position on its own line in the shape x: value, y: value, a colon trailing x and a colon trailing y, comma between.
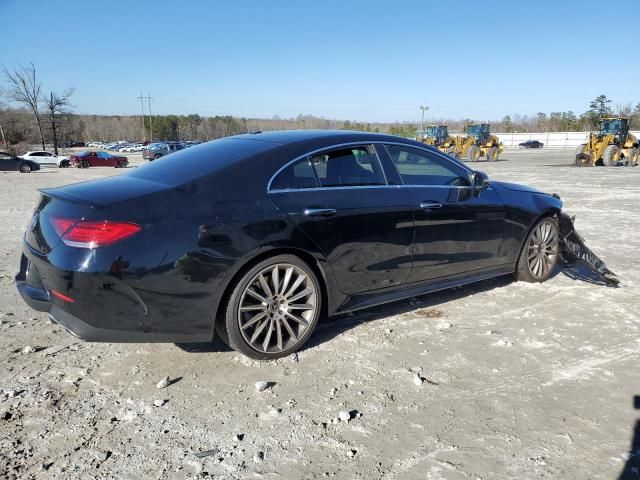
x: 150, y: 117
x: 424, y: 108
x: 144, y: 132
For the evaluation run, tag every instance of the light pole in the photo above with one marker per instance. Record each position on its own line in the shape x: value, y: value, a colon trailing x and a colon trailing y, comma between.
x: 424, y: 108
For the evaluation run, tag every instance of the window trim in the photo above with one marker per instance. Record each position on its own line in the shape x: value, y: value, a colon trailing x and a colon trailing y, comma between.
x: 307, y: 158
x: 350, y: 187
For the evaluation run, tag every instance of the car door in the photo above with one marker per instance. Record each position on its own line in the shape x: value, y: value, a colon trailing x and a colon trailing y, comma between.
x: 456, y: 230
x: 339, y: 198
x: 94, y: 159
x: 8, y: 162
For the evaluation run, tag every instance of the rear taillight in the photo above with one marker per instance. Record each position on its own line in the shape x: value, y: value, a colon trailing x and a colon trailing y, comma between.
x: 91, y: 234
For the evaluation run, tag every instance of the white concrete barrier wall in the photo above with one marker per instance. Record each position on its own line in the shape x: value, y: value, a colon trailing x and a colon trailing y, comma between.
x: 550, y: 139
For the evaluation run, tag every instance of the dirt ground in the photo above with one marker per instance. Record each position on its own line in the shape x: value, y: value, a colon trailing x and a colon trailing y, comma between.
x: 518, y: 380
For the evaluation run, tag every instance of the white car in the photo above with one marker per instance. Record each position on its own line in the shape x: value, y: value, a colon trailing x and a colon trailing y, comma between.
x: 47, y: 158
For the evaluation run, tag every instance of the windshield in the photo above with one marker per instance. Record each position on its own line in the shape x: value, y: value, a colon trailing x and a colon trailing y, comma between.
x: 611, y: 126
x: 432, y: 131
x: 477, y: 130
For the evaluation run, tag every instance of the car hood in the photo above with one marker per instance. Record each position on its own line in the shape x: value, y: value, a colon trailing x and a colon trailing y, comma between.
x: 518, y: 188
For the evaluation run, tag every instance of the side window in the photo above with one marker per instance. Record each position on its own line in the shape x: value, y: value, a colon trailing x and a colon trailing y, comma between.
x: 349, y: 166
x: 419, y: 167
x: 297, y: 175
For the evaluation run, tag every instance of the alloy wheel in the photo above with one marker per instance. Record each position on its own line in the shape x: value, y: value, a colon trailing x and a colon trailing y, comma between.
x: 277, y: 307
x: 543, y: 248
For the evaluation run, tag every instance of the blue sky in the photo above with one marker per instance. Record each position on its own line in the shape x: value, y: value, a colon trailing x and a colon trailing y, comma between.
x: 359, y: 60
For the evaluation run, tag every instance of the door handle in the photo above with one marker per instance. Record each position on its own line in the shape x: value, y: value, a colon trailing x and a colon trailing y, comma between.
x: 430, y: 206
x: 320, y: 212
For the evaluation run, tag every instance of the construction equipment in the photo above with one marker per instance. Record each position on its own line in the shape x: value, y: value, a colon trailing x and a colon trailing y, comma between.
x: 438, y: 136
x: 478, y: 143
x: 611, y: 146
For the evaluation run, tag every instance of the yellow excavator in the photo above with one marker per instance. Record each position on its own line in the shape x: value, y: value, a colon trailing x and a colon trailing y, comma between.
x: 438, y: 136
x: 478, y: 143
x: 611, y: 146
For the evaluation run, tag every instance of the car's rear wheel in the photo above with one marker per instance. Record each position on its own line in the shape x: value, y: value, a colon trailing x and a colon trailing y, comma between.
x: 25, y: 168
x: 273, y: 309
x: 157, y: 156
x: 540, y: 252
x: 64, y: 164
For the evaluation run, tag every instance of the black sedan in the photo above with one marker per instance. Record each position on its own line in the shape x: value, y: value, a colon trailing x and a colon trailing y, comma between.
x: 531, y: 144
x: 256, y: 237
x: 11, y: 163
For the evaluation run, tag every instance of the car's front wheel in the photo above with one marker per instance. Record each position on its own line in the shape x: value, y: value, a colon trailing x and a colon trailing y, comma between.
x: 273, y: 309
x: 540, y: 252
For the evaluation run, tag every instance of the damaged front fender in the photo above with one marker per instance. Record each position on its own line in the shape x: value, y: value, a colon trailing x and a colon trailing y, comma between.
x: 574, y: 250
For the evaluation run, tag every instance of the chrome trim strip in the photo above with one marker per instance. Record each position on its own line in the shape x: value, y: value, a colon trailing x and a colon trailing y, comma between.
x: 363, y: 187
x: 373, y: 142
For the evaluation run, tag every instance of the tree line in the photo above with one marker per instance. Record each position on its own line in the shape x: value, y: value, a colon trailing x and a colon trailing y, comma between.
x: 31, y: 115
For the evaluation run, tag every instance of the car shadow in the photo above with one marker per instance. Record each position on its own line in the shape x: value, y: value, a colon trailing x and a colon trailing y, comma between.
x: 336, y: 325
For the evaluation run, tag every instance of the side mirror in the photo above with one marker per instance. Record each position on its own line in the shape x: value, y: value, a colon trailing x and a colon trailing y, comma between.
x: 479, y: 182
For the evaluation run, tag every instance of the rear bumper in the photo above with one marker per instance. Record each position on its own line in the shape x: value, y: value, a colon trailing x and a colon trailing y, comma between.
x: 104, y: 308
x: 90, y: 333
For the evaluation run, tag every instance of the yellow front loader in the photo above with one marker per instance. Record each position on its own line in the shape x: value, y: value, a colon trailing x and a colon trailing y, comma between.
x: 611, y: 146
x: 478, y: 143
x: 438, y: 136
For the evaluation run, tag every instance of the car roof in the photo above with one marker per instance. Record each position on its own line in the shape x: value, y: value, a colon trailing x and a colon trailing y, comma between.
x: 290, y: 136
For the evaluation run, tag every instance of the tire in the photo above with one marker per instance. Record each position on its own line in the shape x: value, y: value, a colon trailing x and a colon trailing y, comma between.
x: 611, y: 156
x: 270, y: 330
x: 64, y: 164
x: 85, y: 164
x: 121, y: 164
x: 583, y: 160
x: 538, y: 259
x: 580, y: 149
x: 157, y: 156
x: 25, y: 168
x: 632, y: 156
x: 492, y: 154
x: 473, y: 153
x: 451, y: 151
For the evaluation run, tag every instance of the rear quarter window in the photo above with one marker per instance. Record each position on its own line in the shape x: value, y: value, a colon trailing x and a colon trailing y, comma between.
x: 188, y: 164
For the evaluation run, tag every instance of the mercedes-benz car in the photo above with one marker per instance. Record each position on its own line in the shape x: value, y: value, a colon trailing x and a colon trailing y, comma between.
x: 259, y: 236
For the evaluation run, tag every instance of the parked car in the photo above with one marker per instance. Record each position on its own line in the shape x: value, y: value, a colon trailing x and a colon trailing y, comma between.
x: 75, y: 144
x: 97, y: 159
x: 157, y: 150
x: 257, y: 236
x: 532, y: 144
x: 11, y: 163
x: 47, y: 158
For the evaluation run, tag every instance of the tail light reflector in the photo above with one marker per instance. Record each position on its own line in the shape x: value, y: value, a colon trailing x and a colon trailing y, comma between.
x: 93, y: 234
x: 62, y: 296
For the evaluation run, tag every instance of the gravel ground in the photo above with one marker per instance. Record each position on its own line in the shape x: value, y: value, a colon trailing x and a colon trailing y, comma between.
x: 494, y: 380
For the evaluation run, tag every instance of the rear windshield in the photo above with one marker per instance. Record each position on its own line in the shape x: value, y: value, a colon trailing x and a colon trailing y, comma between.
x: 186, y: 165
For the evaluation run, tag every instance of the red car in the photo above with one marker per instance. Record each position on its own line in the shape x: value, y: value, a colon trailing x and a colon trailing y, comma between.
x: 97, y: 159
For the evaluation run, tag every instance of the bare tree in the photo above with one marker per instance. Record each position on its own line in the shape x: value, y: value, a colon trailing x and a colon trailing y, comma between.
x: 25, y: 89
x: 56, y: 105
